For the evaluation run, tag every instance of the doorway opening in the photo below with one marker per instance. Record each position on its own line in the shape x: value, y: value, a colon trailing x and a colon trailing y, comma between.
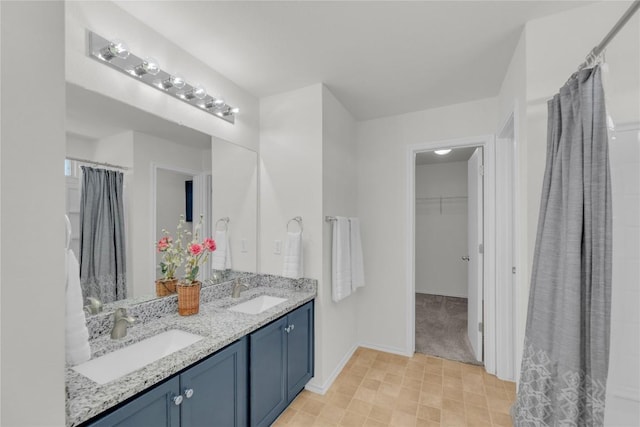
x: 449, y: 262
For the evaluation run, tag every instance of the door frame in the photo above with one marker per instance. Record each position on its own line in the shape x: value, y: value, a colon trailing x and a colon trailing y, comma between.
x: 489, y: 231
x: 154, y: 185
x: 507, y: 254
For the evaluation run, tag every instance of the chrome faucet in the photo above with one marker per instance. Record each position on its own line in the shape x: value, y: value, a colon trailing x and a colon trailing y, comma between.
x: 237, y: 288
x: 94, y: 306
x: 120, y: 323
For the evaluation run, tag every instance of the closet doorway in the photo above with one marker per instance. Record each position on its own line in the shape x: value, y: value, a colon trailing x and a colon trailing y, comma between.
x: 449, y: 262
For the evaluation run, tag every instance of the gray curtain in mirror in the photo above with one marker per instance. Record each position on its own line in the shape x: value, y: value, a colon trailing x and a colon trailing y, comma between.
x: 566, y: 349
x: 102, y: 245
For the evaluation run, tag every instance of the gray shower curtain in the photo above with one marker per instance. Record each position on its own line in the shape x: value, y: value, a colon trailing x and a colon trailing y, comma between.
x: 102, y: 246
x: 566, y: 348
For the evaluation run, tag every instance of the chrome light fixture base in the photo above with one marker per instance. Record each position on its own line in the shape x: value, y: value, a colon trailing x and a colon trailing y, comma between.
x: 132, y: 65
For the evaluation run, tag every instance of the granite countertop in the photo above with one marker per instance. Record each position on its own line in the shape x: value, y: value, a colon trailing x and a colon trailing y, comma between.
x: 219, y: 327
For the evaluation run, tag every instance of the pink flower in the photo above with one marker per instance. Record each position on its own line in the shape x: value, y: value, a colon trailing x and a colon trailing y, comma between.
x: 209, y: 244
x: 163, y: 244
x: 195, y: 249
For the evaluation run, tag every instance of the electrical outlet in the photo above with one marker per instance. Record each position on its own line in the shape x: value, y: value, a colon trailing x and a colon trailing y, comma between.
x: 277, y: 247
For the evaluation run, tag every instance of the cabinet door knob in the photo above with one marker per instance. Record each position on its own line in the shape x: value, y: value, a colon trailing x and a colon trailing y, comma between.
x: 292, y: 327
x: 177, y: 400
x: 287, y: 329
x: 188, y: 393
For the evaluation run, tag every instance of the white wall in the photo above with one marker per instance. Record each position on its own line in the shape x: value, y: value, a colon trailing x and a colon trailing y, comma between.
x: 235, y: 195
x: 339, y: 197
x: 33, y: 137
x: 148, y: 150
x: 513, y: 100
x: 110, y: 21
x: 623, y: 400
x: 382, y: 203
x: 308, y: 169
x: 441, y: 229
x: 291, y: 185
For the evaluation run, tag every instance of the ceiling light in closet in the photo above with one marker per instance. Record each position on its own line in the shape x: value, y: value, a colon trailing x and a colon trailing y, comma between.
x: 442, y: 152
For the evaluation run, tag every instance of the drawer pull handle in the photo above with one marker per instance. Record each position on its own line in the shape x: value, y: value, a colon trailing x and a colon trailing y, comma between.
x: 177, y: 400
x: 188, y: 393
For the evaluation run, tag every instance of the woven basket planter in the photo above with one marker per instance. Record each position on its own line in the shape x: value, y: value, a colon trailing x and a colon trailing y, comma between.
x: 188, y: 299
x: 166, y: 287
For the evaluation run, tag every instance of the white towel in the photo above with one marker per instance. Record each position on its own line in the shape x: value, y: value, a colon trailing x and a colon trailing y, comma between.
x: 221, y: 257
x: 77, y: 334
x: 341, y: 260
x: 293, y: 259
x: 357, y: 265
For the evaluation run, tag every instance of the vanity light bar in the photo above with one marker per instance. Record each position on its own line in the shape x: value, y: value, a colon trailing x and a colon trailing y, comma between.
x: 116, y: 54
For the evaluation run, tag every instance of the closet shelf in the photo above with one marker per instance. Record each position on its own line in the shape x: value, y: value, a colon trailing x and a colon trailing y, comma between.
x: 440, y: 199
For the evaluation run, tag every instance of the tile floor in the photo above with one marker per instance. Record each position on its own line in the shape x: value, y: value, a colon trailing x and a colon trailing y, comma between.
x: 382, y: 389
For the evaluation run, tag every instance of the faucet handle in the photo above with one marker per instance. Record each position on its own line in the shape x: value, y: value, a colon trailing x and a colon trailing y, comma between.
x: 94, y: 306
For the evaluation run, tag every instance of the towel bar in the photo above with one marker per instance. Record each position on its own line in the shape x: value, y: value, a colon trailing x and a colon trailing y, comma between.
x: 225, y: 220
x: 297, y: 219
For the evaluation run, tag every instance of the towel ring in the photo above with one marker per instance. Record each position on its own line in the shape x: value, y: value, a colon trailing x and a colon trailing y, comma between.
x: 297, y: 219
x: 225, y: 220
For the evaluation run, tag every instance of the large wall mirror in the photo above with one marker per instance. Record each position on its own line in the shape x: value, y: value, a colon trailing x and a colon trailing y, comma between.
x: 160, y: 171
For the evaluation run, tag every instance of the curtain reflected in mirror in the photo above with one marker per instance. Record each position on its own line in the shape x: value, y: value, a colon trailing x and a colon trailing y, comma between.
x: 102, y: 242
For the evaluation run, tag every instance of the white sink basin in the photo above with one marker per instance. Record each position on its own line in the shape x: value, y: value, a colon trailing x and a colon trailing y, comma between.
x: 128, y: 359
x: 257, y: 305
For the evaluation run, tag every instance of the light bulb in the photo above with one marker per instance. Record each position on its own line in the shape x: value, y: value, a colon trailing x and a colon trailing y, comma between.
x: 235, y: 110
x: 178, y: 81
x: 151, y: 66
x: 442, y: 152
x: 199, y: 91
x: 175, y: 80
x: 218, y: 102
x: 116, y: 48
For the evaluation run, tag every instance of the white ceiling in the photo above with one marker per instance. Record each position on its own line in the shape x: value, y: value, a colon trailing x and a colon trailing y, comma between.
x: 379, y: 58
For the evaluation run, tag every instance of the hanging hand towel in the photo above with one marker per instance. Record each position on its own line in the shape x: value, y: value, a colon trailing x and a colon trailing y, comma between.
x: 293, y: 266
x: 221, y: 257
x: 357, y: 265
x: 77, y: 334
x: 341, y: 260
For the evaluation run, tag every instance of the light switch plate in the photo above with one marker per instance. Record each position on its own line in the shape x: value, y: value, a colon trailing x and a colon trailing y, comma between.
x: 277, y: 247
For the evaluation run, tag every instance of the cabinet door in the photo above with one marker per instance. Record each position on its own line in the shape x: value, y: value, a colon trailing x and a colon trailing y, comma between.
x: 154, y: 408
x: 299, y: 349
x: 267, y: 365
x: 215, y: 390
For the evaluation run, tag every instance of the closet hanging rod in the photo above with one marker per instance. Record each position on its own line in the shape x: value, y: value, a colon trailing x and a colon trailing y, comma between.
x: 596, y: 51
x: 330, y: 218
x: 91, y: 162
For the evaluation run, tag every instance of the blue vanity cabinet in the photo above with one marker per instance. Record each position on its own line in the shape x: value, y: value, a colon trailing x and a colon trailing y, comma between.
x: 215, y: 390
x: 280, y: 364
x: 299, y: 349
x: 267, y: 373
x: 155, y: 408
x: 212, y: 393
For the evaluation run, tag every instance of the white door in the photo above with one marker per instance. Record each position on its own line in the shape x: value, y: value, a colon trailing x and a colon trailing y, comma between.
x: 475, y: 257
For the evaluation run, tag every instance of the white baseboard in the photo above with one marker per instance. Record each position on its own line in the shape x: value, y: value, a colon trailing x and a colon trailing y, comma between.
x: 394, y: 350
x: 322, y: 389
